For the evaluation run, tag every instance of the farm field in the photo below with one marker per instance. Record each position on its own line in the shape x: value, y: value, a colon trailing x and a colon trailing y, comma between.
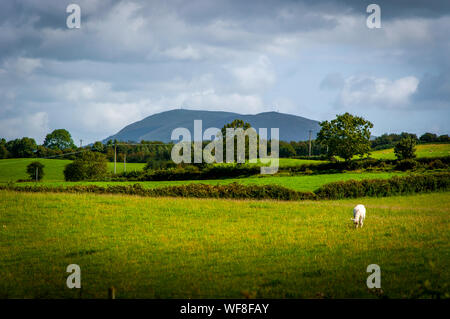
x: 14, y: 168
x: 193, y: 248
x: 422, y: 150
x: 299, y: 183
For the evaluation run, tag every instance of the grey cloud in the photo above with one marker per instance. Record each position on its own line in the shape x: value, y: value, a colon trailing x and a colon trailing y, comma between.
x: 332, y: 81
x: 134, y: 58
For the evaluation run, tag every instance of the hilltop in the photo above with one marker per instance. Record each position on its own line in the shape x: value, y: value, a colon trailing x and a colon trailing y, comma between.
x: 158, y: 127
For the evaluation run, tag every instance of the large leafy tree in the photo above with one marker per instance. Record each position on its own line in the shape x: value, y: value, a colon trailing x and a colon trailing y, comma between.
x: 235, y: 125
x: 22, y: 147
x: 346, y: 136
x: 59, y: 140
x: 35, y: 170
x: 406, y: 148
x: 3, y: 150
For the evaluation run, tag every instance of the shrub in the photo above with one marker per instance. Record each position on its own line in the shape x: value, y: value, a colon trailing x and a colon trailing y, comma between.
x: 159, y: 164
x: 89, y: 166
x: 337, y: 190
x: 406, y: 164
x: 385, y: 187
x: 436, y: 164
x: 36, y: 170
x: 233, y: 191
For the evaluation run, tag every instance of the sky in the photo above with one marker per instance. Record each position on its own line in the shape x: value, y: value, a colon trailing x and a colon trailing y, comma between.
x: 131, y: 59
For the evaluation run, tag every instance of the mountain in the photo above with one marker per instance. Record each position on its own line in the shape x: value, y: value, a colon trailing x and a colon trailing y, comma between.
x: 159, y: 127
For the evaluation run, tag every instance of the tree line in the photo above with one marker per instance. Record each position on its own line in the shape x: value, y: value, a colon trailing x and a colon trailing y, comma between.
x: 352, y: 137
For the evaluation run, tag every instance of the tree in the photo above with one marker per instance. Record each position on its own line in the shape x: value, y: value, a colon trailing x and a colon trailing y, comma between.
x: 23, y: 147
x: 406, y: 148
x: 98, y: 147
x: 3, y: 150
x: 346, y: 136
x: 236, y: 124
x: 35, y: 170
x: 444, y: 138
x: 428, y: 137
x: 90, y: 165
x: 286, y: 150
x: 59, y: 140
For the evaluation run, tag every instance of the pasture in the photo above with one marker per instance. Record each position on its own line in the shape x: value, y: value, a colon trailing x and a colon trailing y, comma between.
x: 298, y: 183
x: 422, y: 150
x: 15, y: 168
x: 193, y: 248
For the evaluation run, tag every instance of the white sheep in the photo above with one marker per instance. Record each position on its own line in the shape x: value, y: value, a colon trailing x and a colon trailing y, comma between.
x: 359, y: 213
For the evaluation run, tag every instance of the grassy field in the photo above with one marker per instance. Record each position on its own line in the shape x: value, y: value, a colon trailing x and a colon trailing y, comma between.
x: 15, y: 168
x: 299, y: 183
x: 191, y: 248
x: 425, y: 150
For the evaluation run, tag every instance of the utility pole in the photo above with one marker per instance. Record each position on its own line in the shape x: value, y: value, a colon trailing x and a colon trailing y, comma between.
x: 115, y: 156
x: 81, y: 143
x: 310, y: 131
x: 125, y: 162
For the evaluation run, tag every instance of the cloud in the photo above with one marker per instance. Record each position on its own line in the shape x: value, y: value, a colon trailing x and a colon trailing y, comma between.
x: 30, y: 125
x: 133, y: 58
x: 363, y: 91
x: 255, y: 76
x: 434, y: 89
x: 332, y: 81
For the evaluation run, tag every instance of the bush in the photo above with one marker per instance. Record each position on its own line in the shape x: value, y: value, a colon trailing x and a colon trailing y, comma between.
x: 34, y: 167
x: 234, y: 190
x: 337, y: 190
x: 191, y: 172
x: 89, y: 166
x: 159, y: 164
x: 385, y: 187
x: 406, y: 164
x: 436, y: 164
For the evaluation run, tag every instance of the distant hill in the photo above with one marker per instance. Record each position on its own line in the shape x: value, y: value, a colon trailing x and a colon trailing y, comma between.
x: 159, y: 127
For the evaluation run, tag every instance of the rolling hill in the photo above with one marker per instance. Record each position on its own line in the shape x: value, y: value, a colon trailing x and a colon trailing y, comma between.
x: 158, y: 127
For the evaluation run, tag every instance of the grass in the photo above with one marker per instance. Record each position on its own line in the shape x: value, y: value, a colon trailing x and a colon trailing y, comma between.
x: 422, y: 150
x: 191, y: 248
x: 15, y: 168
x: 299, y: 183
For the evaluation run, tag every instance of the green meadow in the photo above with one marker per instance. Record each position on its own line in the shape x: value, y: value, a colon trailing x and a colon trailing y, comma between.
x: 194, y: 248
x: 15, y: 168
x: 422, y: 150
x: 298, y: 183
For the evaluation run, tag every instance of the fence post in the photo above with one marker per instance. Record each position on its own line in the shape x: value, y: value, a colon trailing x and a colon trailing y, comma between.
x: 112, y: 293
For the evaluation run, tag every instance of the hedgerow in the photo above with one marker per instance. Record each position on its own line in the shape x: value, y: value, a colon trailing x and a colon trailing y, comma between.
x: 337, y: 190
x: 385, y: 187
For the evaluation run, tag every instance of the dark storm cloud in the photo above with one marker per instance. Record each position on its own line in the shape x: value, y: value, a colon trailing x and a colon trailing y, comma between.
x: 434, y: 88
x: 394, y: 9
